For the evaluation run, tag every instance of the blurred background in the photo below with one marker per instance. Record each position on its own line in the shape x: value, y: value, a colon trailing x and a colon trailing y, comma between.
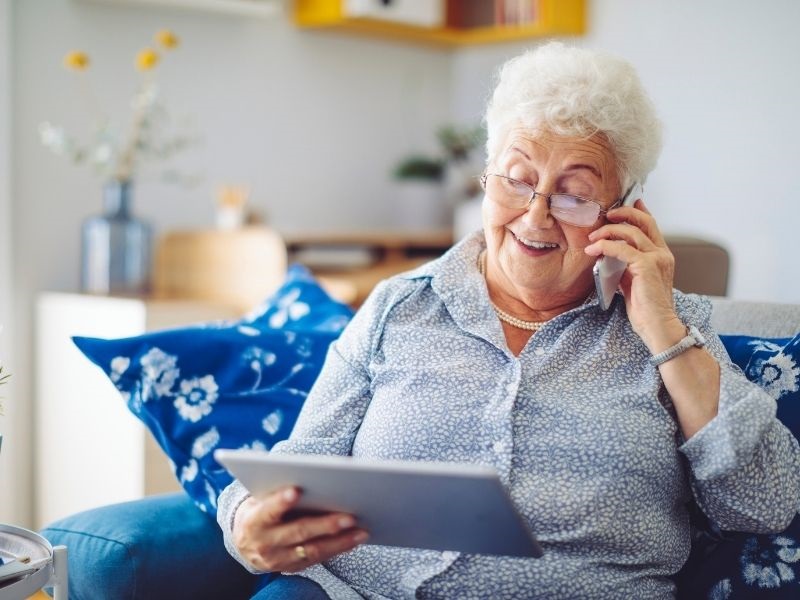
x: 303, y: 129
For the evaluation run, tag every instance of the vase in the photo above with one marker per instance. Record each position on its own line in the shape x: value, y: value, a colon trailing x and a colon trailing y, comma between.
x: 419, y: 205
x: 116, y: 247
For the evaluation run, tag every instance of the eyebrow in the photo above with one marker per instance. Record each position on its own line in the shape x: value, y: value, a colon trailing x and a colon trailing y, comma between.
x: 590, y: 168
x: 515, y: 148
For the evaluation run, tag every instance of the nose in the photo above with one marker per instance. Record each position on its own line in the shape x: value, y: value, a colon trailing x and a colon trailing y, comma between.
x: 538, y: 213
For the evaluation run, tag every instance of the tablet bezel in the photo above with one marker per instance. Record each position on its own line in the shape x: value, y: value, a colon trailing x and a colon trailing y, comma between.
x: 414, y: 504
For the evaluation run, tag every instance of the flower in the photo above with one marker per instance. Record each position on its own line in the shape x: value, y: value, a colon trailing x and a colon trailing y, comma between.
x: 167, y: 39
x: 146, y: 59
x: 115, y: 152
x: 196, y: 398
x: 76, y: 60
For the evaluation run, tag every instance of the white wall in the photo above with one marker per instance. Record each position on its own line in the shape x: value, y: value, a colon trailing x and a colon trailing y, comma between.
x: 13, y: 465
x: 724, y: 77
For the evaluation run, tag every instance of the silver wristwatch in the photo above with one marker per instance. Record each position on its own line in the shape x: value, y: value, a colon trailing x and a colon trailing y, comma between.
x: 693, y: 338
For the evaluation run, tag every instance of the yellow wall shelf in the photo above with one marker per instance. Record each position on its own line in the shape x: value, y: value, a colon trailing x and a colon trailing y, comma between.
x: 554, y: 17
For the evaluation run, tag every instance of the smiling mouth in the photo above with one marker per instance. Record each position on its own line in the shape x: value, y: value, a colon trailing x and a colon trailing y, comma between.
x: 534, y: 244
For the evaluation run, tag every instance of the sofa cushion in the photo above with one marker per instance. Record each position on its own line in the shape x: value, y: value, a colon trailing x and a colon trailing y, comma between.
x: 774, y: 364
x: 224, y: 385
x: 158, y: 547
x: 731, y: 565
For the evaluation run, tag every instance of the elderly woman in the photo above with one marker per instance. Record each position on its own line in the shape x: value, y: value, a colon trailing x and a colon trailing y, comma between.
x: 602, y: 424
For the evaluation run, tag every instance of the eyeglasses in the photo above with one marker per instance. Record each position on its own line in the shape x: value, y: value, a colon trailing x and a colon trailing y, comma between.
x: 518, y: 195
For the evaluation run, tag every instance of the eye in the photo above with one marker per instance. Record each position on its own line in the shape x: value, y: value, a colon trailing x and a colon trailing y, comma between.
x: 565, y: 201
x: 517, y: 187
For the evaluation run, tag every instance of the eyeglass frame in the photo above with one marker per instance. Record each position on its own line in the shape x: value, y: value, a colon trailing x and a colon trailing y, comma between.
x: 534, y: 193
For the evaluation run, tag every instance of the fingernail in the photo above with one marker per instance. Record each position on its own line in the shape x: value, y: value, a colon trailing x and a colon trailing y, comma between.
x: 360, y: 537
x: 289, y: 494
x: 346, y: 522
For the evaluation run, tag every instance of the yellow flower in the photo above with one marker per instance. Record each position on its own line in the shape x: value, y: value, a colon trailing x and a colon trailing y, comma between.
x: 77, y: 61
x: 146, y: 59
x: 167, y: 39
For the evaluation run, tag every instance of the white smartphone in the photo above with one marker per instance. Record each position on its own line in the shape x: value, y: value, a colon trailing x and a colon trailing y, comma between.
x: 608, y: 270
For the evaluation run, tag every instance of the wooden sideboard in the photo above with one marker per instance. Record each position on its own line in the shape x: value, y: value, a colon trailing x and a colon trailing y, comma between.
x: 350, y: 264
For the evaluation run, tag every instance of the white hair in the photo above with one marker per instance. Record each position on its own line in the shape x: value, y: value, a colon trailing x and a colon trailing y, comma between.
x: 577, y: 92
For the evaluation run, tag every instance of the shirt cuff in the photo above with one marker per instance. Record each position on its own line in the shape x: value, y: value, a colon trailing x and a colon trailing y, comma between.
x: 229, y: 502
x: 729, y: 440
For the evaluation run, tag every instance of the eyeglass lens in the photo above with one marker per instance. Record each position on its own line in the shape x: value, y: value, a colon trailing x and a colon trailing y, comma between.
x: 517, y: 195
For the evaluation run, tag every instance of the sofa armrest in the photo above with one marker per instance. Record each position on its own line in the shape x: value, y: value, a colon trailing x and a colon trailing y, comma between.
x: 158, y: 547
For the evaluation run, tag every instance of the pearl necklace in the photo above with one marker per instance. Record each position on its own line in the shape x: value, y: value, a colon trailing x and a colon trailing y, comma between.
x: 511, y: 319
x: 503, y: 315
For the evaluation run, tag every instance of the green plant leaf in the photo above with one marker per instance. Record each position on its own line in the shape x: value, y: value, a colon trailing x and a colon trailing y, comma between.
x: 420, y: 167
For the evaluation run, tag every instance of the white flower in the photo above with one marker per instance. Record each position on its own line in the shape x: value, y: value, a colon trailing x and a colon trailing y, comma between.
x: 765, y: 345
x: 196, y: 398
x: 190, y: 471
x: 767, y: 566
x: 288, y: 308
x: 52, y: 137
x: 160, y: 373
x: 102, y: 155
x: 257, y: 358
x: 721, y: 591
x: 248, y: 331
x: 255, y: 445
x: 212, y: 495
x: 205, y: 442
x: 272, y: 422
x: 779, y: 375
x: 119, y: 365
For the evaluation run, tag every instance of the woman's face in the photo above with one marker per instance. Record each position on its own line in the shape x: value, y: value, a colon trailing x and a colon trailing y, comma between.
x: 533, y: 252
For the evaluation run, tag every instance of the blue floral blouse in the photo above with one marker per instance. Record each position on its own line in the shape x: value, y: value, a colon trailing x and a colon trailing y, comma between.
x: 579, y: 427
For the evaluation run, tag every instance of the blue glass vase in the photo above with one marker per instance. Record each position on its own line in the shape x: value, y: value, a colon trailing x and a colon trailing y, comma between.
x: 116, y: 247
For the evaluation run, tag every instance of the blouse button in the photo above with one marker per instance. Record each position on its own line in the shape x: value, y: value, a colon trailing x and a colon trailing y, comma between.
x: 539, y: 351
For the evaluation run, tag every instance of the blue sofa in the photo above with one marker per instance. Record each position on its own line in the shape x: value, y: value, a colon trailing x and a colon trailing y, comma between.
x: 164, y: 547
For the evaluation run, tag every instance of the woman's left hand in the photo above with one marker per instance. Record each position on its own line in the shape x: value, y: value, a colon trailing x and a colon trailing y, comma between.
x: 633, y: 236
x: 692, y: 379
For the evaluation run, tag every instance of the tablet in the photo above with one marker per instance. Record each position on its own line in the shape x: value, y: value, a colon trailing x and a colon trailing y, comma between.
x: 437, y: 506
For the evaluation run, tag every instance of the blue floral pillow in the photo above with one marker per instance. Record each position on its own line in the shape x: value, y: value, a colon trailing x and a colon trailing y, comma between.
x: 733, y: 566
x: 230, y: 384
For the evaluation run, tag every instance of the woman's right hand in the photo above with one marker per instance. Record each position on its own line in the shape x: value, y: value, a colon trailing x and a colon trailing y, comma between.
x: 269, y: 541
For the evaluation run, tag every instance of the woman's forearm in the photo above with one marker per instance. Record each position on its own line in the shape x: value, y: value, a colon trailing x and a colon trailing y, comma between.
x: 692, y: 380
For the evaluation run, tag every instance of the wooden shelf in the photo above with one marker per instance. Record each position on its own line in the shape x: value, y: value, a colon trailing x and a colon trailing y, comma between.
x: 554, y: 17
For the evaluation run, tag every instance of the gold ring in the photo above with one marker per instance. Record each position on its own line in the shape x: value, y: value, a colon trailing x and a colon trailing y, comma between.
x: 300, y: 551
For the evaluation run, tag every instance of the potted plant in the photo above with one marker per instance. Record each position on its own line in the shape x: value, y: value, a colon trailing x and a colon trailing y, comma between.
x: 463, y: 163
x: 446, y: 181
x: 419, y: 203
x: 461, y: 185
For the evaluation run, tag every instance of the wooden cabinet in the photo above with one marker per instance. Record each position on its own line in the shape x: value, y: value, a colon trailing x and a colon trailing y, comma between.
x: 90, y: 450
x: 464, y: 22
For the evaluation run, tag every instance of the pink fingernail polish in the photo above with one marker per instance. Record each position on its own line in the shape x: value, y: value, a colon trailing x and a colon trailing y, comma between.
x: 360, y: 537
x: 346, y: 522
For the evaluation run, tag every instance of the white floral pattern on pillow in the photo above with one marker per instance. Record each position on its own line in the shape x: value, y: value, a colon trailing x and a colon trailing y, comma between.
x: 226, y: 384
